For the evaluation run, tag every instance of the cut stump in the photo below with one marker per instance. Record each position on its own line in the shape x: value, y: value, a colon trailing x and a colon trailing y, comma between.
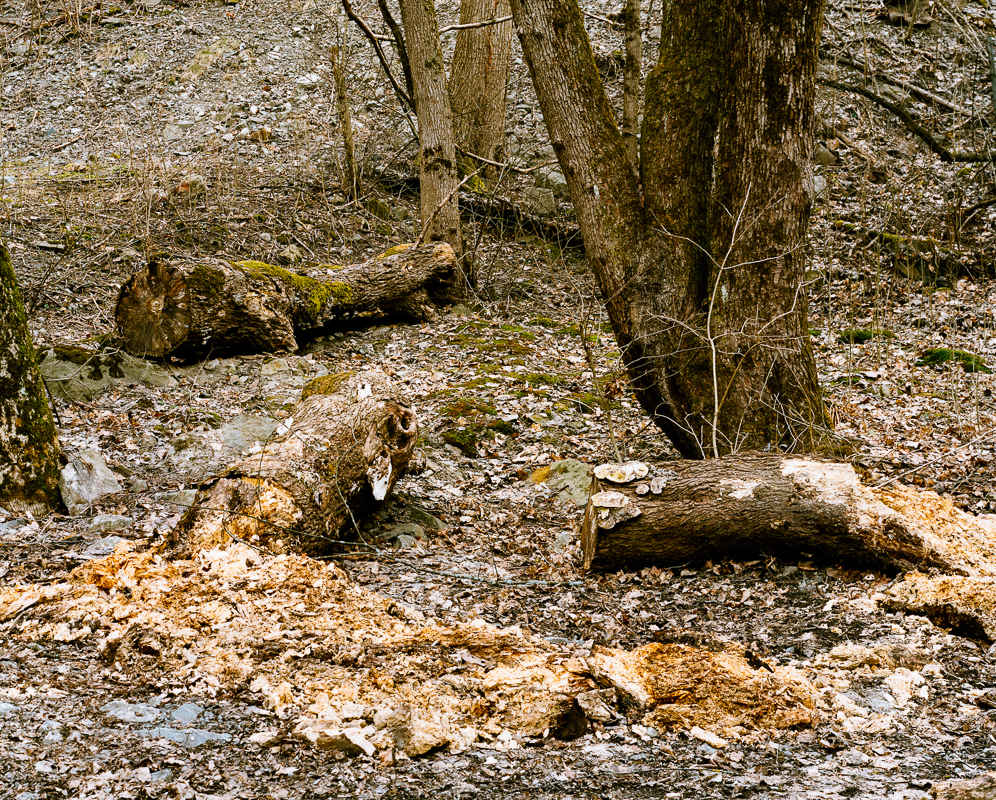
x: 745, y: 505
x: 331, y: 463
x: 189, y: 308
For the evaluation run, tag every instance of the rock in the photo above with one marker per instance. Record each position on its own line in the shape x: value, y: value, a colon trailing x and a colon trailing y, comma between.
x: 196, y: 454
x: 292, y: 254
x: 571, y: 479
x: 187, y: 713
x: 539, y: 201
x: 191, y: 738
x: 7, y: 708
x: 553, y: 179
x: 183, y: 498
x: 425, y: 519
x: 101, y: 547
x: 409, y: 531
x: 109, y: 522
x: 84, y: 479
x: 130, y: 712
x: 76, y: 373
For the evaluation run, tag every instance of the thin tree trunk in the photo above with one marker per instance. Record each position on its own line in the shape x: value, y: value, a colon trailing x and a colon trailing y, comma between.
x: 438, y: 174
x: 479, y: 77
x: 351, y: 175
x: 29, y: 445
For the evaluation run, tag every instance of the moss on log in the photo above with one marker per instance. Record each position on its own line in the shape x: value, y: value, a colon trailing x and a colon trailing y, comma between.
x: 190, y: 308
x: 29, y: 445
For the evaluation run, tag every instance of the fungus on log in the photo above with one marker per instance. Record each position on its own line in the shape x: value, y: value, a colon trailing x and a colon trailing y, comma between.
x: 681, y: 511
x: 332, y: 462
x: 191, y: 307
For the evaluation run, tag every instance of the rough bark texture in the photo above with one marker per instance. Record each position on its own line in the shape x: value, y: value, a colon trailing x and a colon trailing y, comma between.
x: 29, y: 445
x: 438, y: 174
x: 351, y: 174
x: 185, y: 308
x: 332, y: 462
x: 742, y: 506
x: 631, y: 81
x: 701, y: 272
x: 479, y: 77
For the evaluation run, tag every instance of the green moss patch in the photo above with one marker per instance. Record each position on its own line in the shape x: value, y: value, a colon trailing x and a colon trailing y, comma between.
x: 326, y: 385
x: 942, y: 355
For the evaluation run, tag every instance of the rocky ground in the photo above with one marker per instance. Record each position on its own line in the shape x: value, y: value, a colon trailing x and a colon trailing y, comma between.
x: 110, y: 111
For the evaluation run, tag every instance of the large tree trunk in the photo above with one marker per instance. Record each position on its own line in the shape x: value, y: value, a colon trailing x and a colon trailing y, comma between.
x: 479, y: 77
x: 334, y: 460
x: 29, y: 445
x: 186, y: 308
x: 742, y: 506
x: 702, y: 272
x: 438, y: 173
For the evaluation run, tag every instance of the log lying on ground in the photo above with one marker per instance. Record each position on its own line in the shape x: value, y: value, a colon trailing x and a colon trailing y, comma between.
x: 189, y: 308
x: 690, y: 511
x: 332, y: 462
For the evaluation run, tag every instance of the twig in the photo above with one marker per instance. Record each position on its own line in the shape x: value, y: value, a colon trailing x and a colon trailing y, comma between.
x: 467, y: 25
x: 911, y: 124
x: 348, y: 8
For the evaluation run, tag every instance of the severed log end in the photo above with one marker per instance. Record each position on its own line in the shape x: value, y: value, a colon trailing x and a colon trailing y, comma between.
x: 336, y: 459
x: 153, y: 310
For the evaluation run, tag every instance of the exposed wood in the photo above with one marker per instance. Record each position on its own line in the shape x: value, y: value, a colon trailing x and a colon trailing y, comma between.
x: 742, y: 506
x: 335, y: 459
x: 179, y: 307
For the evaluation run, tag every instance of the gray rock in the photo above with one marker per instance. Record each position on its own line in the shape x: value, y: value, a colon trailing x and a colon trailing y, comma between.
x: 101, y: 547
x: 196, y: 454
x: 571, y: 479
x: 187, y: 713
x: 409, y: 530
x: 138, y: 485
x: 191, y: 738
x: 183, y: 498
x: 109, y: 522
x: 7, y: 708
x: 553, y: 179
x: 130, y: 712
x: 78, y: 374
x: 539, y: 201
x: 425, y: 519
x: 84, y: 479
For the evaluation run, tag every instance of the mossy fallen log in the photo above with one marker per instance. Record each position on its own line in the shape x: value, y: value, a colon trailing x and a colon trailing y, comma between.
x: 333, y: 461
x: 746, y: 505
x: 189, y: 308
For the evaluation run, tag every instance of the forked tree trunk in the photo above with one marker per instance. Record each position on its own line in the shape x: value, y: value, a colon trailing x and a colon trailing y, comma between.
x: 705, y: 298
x: 333, y: 461
x: 479, y: 77
x: 185, y: 308
x: 438, y: 174
x: 29, y: 444
x: 743, y: 506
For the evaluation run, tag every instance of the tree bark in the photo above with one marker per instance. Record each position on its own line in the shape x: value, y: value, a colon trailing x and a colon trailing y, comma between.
x: 631, y: 81
x: 189, y: 308
x: 743, y: 506
x: 29, y: 444
x: 438, y: 174
x: 333, y: 461
x: 479, y: 77
x: 701, y: 272
x: 351, y: 174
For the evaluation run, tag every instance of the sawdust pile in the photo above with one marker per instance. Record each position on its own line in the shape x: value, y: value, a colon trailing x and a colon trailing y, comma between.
x: 963, y: 605
x: 345, y: 668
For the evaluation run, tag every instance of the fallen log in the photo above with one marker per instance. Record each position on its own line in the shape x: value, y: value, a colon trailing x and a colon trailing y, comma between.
x: 331, y: 463
x: 191, y: 307
x: 741, y: 506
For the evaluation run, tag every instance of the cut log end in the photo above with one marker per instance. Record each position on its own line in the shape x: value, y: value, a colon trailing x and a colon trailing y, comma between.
x: 153, y: 310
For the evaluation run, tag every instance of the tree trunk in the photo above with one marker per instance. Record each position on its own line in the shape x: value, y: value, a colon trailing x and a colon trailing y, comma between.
x: 631, y: 81
x: 702, y: 272
x: 743, y: 506
x: 186, y: 308
x: 29, y: 445
x: 333, y: 461
x: 438, y: 174
x: 351, y: 173
x: 479, y: 77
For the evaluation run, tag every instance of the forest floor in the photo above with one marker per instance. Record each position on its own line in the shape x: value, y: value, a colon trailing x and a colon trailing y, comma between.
x: 108, y: 112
